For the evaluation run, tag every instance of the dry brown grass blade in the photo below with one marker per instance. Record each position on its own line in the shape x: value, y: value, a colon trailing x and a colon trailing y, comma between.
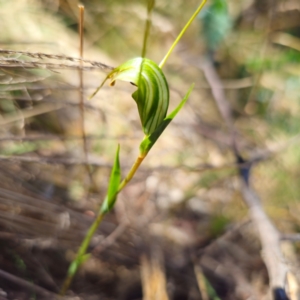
x: 27, y: 113
x: 81, y: 100
x: 7, y: 62
x: 201, y: 282
x: 28, y: 285
x: 34, y: 221
x: 153, y: 279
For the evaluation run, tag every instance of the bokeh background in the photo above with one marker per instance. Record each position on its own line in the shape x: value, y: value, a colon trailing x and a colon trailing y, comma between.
x: 181, y: 228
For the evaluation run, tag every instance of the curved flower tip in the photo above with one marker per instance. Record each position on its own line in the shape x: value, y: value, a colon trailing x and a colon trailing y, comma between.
x: 152, y: 94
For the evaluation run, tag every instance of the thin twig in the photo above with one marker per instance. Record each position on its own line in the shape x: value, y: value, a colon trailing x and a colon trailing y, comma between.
x: 268, y: 234
x: 81, y: 100
x: 220, y: 98
x: 111, y: 239
x: 292, y: 237
x: 269, y: 237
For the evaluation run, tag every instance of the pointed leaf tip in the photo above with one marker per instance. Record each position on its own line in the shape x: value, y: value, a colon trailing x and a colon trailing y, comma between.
x: 114, y: 182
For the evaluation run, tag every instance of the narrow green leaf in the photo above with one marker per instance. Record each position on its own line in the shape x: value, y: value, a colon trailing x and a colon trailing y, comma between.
x: 73, y: 268
x: 84, y: 258
x: 150, y: 139
x: 211, y: 291
x: 76, y: 264
x: 114, y: 181
x: 98, y: 88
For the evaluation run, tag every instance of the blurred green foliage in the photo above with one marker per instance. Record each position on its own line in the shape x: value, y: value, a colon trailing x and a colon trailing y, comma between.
x: 218, y: 224
x: 278, y: 60
x: 217, y: 23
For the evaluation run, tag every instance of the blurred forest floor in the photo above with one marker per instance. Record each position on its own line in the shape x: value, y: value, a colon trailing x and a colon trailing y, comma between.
x: 180, y: 230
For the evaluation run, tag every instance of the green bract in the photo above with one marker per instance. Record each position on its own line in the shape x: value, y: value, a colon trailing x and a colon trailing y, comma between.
x: 114, y: 182
x: 152, y: 95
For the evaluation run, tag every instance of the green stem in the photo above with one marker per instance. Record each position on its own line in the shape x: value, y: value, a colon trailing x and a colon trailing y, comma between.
x: 81, y: 252
x: 147, y: 26
x: 182, y: 33
x: 132, y: 171
x: 87, y: 239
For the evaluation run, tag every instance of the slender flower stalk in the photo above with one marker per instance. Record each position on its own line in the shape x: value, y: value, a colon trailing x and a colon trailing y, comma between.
x: 187, y: 25
x: 132, y: 171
